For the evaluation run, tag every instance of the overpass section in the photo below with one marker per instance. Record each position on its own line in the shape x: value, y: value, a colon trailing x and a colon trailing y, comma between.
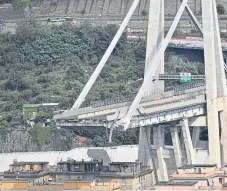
x: 155, y: 105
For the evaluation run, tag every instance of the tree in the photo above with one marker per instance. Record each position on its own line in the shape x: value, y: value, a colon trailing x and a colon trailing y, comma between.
x: 41, y: 134
x: 4, y: 123
x: 4, y: 1
x: 144, y: 13
x: 220, y: 9
x: 21, y: 5
x: 40, y: 64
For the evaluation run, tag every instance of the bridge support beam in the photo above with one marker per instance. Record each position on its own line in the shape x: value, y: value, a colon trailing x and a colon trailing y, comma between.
x: 188, y: 142
x: 176, y: 146
x: 155, y: 36
x: 105, y: 57
x: 161, y: 169
x: 144, y: 153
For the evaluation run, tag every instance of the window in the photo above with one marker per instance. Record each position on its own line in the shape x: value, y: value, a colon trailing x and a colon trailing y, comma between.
x: 220, y: 180
x: 42, y: 166
x: 31, y: 167
x: 123, y: 182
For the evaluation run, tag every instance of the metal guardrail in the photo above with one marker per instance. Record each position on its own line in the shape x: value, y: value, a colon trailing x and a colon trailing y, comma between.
x: 189, y: 97
x: 186, y: 86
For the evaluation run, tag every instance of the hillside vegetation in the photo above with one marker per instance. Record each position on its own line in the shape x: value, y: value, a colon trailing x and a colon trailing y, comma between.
x: 52, y: 64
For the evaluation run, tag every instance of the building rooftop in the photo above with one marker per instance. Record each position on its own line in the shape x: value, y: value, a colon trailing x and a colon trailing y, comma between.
x: 50, y: 104
x: 225, y: 184
x: 41, y: 104
x: 13, y: 180
x: 123, y: 163
x: 80, y: 162
x: 28, y: 163
x: 31, y: 105
x: 171, y: 183
x: 197, y: 166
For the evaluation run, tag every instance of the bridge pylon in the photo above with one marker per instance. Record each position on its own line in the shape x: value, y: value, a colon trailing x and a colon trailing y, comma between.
x: 155, y: 35
x: 215, y: 81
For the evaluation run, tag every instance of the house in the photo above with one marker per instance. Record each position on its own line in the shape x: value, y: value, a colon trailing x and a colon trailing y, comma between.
x: 28, y: 166
x: 76, y: 175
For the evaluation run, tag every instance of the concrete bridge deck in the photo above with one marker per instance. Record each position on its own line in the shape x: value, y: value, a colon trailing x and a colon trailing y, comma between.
x: 171, y: 106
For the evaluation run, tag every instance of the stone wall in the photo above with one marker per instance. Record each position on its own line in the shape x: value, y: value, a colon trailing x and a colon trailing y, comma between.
x: 22, y: 141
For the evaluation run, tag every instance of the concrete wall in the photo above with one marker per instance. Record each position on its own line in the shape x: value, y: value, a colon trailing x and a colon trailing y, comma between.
x: 112, y: 8
x: 109, y: 7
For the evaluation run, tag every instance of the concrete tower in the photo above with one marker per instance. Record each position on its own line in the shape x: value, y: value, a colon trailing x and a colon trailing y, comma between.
x: 215, y: 79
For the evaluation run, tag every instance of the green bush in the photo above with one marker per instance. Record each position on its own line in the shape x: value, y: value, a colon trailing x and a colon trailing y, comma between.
x: 41, y: 134
x: 220, y: 9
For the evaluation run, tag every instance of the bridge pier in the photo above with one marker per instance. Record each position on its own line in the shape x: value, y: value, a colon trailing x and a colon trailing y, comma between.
x: 144, y: 152
x: 176, y: 146
x: 223, y: 123
x: 195, y: 136
x: 215, y: 77
x: 161, y: 169
x: 111, y: 135
x: 188, y: 142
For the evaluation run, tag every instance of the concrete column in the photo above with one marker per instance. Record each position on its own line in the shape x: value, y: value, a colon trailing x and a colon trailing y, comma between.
x: 155, y: 34
x: 142, y: 155
x: 144, y: 152
x: 221, y: 83
x: 106, y: 7
x: 211, y: 81
x: 159, y: 134
x: 182, y: 140
x: 188, y: 142
x: 176, y: 146
x: 111, y: 134
x: 223, y: 122
x: 219, y: 59
x: 209, y: 49
x: 213, y: 133
x: 195, y: 136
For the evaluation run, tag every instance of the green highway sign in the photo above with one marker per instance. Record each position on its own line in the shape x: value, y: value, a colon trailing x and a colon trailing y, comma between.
x: 185, y: 77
